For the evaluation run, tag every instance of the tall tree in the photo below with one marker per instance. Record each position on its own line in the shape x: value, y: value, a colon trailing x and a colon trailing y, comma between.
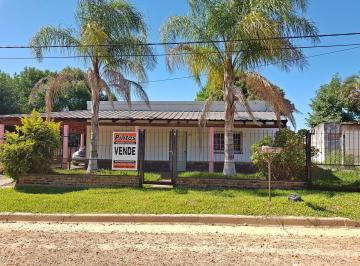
x: 111, y: 37
x: 351, y: 94
x: 335, y: 102
x: 216, y: 26
x: 8, y: 96
x: 23, y: 84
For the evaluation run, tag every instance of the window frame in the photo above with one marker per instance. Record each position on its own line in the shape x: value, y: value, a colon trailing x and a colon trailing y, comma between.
x: 219, y: 145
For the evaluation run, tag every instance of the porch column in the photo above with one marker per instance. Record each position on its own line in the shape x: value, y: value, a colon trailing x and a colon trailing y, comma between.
x: 82, y: 140
x: 2, y: 133
x: 65, y: 145
x: 211, y: 148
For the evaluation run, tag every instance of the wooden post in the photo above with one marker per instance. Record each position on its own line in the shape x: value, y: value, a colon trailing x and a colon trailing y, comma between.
x: 65, y: 145
x: 269, y: 174
x: 174, y: 157
x: 2, y: 133
x: 141, y: 157
x: 343, y: 162
x: 211, y: 148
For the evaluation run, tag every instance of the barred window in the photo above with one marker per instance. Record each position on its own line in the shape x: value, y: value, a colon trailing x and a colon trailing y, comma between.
x: 219, y: 143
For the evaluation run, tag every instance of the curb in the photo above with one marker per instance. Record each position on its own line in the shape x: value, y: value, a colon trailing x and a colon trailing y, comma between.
x: 182, y: 219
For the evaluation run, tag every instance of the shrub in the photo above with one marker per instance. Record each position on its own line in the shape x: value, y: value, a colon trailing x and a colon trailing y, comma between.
x: 31, y: 148
x: 290, y: 163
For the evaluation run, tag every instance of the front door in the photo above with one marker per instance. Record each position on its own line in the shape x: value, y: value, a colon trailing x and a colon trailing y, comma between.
x: 181, y: 151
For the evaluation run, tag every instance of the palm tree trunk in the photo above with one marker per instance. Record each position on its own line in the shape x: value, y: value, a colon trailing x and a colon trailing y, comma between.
x: 229, y: 163
x: 95, y: 105
x: 94, y: 137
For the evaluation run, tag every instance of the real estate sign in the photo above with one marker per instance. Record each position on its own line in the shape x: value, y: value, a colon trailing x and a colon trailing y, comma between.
x: 125, y: 151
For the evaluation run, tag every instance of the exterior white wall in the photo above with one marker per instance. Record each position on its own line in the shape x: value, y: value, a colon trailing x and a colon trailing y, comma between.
x: 197, y: 146
x: 351, y: 142
x: 250, y: 137
x: 318, y: 141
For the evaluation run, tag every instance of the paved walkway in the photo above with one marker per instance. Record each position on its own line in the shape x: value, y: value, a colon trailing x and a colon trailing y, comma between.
x: 174, y: 244
x: 6, y: 182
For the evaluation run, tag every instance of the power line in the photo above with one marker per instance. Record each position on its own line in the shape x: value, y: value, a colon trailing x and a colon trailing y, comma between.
x: 182, y: 53
x: 179, y: 43
x: 263, y: 65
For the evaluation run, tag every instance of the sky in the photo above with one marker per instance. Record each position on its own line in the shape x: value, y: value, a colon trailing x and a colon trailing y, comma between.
x: 21, y: 19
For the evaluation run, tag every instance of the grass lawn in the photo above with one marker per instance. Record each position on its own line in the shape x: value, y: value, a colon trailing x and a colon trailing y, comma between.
x: 147, y: 176
x: 179, y: 201
x: 220, y: 175
x: 337, y: 179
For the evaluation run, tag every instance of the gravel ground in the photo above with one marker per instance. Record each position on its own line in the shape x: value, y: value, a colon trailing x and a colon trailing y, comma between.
x: 166, y: 244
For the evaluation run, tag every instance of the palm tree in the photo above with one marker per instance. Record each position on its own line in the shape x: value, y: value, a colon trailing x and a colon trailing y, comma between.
x: 213, y: 29
x: 111, y: 39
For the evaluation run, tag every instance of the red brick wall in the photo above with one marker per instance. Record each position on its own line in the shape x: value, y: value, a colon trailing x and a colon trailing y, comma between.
x: 78, y: 181
x: 237, y: 183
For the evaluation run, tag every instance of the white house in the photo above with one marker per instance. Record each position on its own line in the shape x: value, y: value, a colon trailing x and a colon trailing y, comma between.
x: 198, y: 148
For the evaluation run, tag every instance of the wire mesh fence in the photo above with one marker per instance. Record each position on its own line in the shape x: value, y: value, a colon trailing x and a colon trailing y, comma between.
x: 337, y: 147
x: 192, y: 149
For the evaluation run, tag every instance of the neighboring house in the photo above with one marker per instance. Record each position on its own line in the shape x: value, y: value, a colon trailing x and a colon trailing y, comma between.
x: 198, y: 148
x: 337, y: 143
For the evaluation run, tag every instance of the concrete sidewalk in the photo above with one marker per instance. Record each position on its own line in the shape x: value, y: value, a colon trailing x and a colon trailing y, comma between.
x: 181, y: 219
x: 6, y: 182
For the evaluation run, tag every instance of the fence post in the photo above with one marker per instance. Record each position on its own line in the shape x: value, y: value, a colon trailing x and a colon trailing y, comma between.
x: 343, y: 150
x: 308, y: 157
x: 141, y: 157
x: 174, y: 135
x: 66, y: 152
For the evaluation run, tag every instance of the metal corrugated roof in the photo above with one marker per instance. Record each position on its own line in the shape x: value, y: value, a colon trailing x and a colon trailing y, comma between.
x: 153, y: 115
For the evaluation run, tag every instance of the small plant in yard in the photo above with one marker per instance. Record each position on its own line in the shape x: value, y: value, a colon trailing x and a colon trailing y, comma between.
x: 31, y: 147
x: 287, y: 165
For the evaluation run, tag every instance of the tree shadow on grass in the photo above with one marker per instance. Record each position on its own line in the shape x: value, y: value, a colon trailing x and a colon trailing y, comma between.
x: 326, y: 179
x: 46, y: 190
x: 319, y: 208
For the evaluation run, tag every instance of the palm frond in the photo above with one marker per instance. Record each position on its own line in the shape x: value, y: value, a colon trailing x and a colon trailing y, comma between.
x: 123, y: 87
x: 51, y: 36
x: 205, y: 112
x: 267, y: 91
x: 240, y: 97
x: 53, y: 86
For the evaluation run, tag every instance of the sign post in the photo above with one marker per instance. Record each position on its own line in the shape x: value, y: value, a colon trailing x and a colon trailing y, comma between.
x: 269, y: 151
x: 125, y: 151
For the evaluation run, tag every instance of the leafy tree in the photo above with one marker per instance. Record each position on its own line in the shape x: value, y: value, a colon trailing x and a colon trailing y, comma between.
x: 9, y: 97
x: 333, y: 104
x: 100, y: 23
x: 31, y: 147
x: 351, y: 94
x: 216, y: 25
x: 23, y: 84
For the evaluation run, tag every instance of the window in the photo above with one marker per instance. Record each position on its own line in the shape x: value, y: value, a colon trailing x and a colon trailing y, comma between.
x: 219, y: 143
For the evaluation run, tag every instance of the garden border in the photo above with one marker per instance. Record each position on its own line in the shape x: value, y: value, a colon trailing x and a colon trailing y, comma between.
x: 78, y: 180
x: 194, y: 182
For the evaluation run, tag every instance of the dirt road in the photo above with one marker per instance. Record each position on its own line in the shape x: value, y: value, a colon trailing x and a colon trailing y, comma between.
x: 144, y: 244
